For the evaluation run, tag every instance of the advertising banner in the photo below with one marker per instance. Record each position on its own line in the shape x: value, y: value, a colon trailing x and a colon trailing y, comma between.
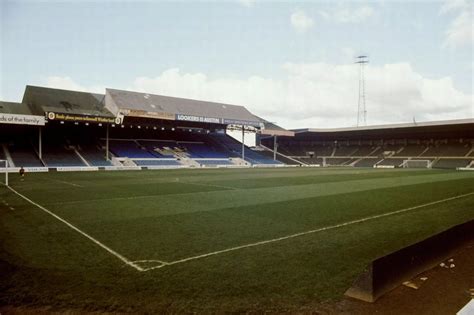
x: 22, y: 119
x: 77, y: 169
x: 200, y: 119
x: 242, y: 122
x: 83, y: 118
x: 28, y: 169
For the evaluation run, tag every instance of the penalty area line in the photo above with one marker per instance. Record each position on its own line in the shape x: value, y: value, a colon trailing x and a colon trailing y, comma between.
x: 331, y: 227
x: 108, y: 249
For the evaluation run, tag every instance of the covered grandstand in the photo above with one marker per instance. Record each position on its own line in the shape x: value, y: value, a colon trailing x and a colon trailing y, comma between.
x: 72, y: 130
x: 443, y: 144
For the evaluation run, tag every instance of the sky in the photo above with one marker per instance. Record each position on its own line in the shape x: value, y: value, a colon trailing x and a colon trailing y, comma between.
x: 290, y: 62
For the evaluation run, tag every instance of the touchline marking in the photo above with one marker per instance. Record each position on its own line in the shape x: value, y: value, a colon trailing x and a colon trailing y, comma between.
x: 111, y: 251
x: 305, y: 233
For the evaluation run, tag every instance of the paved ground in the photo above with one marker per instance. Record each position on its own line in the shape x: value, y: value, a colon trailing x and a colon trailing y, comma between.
x: 445, y: 291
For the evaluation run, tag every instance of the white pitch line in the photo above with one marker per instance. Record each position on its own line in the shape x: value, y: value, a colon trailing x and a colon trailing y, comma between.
x: 111, y: 251
x: 151, y: 260
x: 305, y: 233
x: 67, y: 183
x: 161, y: 263
x: 210, y: 185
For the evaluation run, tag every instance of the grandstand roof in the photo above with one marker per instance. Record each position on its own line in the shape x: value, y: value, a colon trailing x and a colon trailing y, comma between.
x: 390, y: 126
x: 174, y: 108
x: 272, y: 129
x: 445, y: 128
x: 16, y: 108
x: 65, y: 101
x: 20, y: 114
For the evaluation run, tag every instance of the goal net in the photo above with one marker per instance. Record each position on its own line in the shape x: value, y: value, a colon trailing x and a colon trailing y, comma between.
x: 4, y: 172
x: 416, y: 164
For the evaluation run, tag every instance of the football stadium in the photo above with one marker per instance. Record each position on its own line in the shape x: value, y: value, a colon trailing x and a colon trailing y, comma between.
x: 140, y: 203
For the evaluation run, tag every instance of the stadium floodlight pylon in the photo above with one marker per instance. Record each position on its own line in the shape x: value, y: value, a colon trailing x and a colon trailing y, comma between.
x: 416, y: 164
x: 362, y: 60
x: 4, y: 168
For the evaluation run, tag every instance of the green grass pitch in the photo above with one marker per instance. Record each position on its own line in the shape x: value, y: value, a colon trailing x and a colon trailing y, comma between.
x: 213, y: 240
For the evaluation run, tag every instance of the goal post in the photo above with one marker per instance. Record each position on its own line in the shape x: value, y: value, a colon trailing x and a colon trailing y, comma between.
x: 416, y: 164
x: 4, y: 169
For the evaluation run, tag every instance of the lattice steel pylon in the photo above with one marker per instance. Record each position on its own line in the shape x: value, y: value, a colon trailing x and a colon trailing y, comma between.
x: 361, y: 109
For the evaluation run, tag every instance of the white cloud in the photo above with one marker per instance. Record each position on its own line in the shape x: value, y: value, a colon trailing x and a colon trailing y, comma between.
x: 300, y: 21
x: 453, y: 5
x: 461, y: 30
x: 247, y: 3
x: 320, y: 94
x: 347, y: 15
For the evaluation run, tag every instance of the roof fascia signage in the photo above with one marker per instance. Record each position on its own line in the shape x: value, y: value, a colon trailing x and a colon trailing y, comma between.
x: 242, y: 122
x: 17, y: 119
x: 83, y: 118
x: 201, y: 119
x: 214, y: 120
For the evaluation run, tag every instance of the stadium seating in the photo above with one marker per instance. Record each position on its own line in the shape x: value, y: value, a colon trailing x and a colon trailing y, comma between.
x: 321, y: 150
x: 235, y: 150
x: 186, y: 145
x: 370, y: 154
x: 202, y: 150
x: 163, y: 162
x: 215, y: 162
x: 346, y: 150
x: 339, y: 161
x: 369, y: 162
x: 311, y: 161
x: 295, y: 150
x: 390, y: 148
x: 94, y: 155
x: 451, y: 163
x: 160, y: 148
x: 212, y: 149
x: 391, y: 162
x: 58, y: 156
x: 365, y: 150
x: 257, y: 158
x: 411, y: 150
x: 23, y: 154
x: 129, y: 148
x: 280, y: 158
x: 448, y: 150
